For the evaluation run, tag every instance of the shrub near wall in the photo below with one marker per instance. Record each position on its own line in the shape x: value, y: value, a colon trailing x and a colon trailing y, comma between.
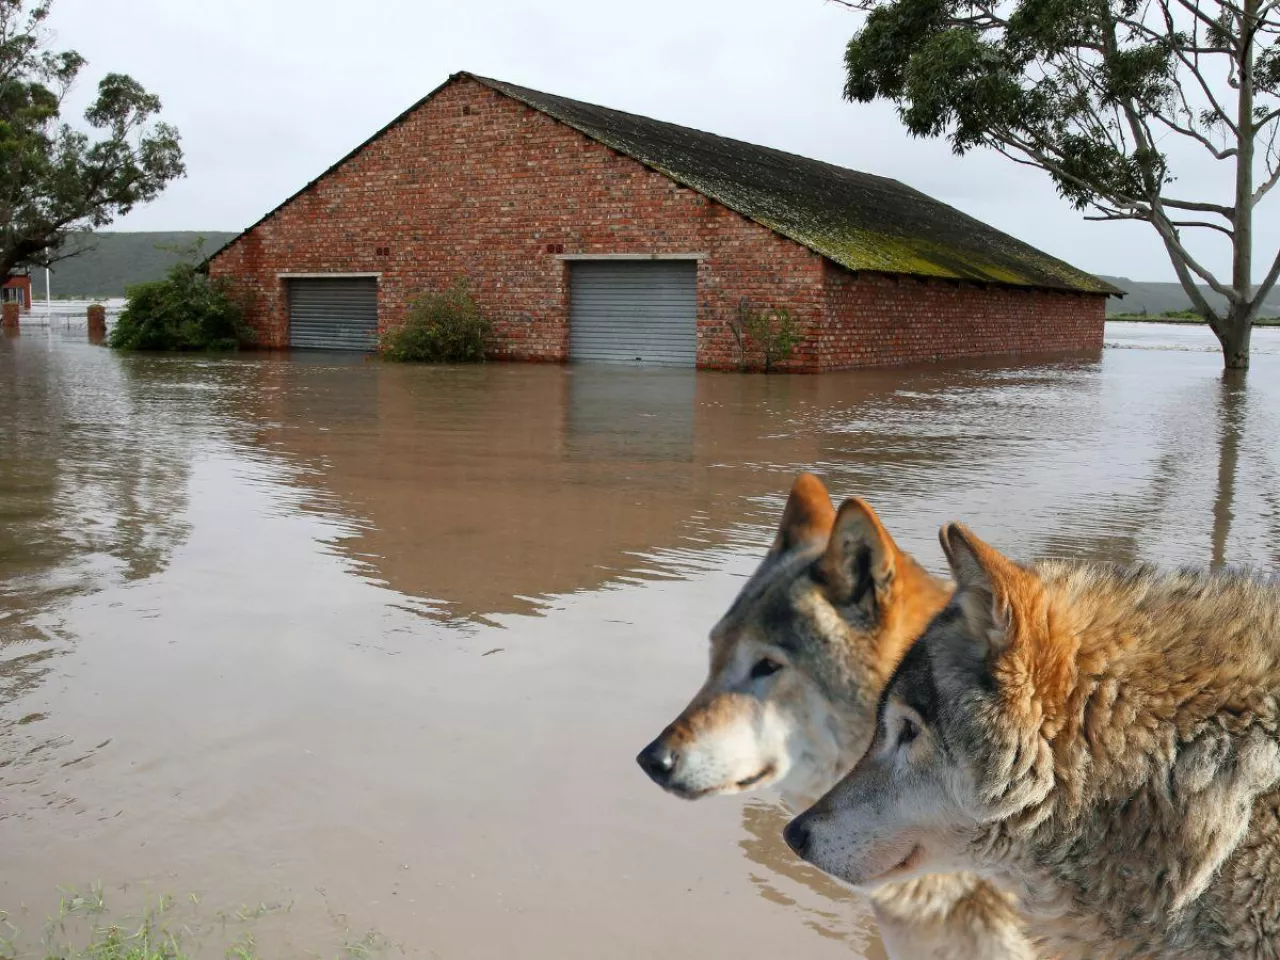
x: 769, y: 333
x: 440, y: 328
x: 185, y: 311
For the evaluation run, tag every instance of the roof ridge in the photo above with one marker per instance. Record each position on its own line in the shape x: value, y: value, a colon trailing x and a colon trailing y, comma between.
x: 499, y: 85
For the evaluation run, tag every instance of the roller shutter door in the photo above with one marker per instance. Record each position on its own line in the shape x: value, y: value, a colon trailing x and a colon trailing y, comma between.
x: 337, y: 314
x: 629, y: 311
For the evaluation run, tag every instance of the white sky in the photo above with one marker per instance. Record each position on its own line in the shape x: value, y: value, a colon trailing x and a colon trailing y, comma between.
x: 268, y: 93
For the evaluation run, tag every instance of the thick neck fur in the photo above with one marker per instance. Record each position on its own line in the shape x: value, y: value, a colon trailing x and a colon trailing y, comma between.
x: 1152, y: 701
x: 954, y: 916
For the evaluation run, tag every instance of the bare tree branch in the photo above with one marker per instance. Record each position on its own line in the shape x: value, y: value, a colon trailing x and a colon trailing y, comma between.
x: 1268, y: 283
x: 1180, y: 224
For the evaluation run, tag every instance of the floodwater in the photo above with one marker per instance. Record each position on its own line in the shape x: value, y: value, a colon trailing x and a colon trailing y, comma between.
x: 375, y: 645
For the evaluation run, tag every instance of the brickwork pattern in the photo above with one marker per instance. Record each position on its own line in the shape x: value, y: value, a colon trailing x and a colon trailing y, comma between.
x: 875, y: 320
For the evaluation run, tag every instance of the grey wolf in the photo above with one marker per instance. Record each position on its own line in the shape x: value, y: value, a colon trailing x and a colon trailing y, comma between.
x: 1102, y: 741
x: 798, y: 664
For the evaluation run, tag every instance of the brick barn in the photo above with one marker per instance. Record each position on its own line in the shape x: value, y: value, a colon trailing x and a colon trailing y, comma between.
x: 586, y: 233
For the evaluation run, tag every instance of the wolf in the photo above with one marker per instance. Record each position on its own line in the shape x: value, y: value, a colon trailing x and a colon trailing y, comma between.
x: 1102, y: 741
x: 797, y: 667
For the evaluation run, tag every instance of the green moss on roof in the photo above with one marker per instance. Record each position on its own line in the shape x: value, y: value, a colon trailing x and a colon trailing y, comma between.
x: 857, y: 220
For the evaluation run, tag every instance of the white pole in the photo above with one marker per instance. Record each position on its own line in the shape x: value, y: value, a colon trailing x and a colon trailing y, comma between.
x: 48, y: 295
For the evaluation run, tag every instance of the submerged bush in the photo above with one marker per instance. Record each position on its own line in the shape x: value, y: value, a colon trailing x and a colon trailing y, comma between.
x: 184, y: 311
x: 440, y: 328
x: 770, y: 332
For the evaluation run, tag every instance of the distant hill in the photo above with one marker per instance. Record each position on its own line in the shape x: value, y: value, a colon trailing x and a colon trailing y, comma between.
x: 111, y: 261
x: 1157, y: 298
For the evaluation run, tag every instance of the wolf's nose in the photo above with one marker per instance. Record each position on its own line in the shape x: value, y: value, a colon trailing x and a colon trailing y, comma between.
x: 797, y: 835
x: 657, y: 760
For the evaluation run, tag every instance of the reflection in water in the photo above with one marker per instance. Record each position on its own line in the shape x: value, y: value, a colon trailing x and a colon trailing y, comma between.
x: 486, y: 490
x: 93, y: 486
x: 1230, y: 419
x: 92, y: 493
x: 841, y: 915
x: 292, y: 596
x: 630, y: 415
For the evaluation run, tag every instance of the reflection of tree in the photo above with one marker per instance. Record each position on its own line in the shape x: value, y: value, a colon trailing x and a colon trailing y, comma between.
x: 1230, y: 421
x: 837, y: 915
x: 94, y: 479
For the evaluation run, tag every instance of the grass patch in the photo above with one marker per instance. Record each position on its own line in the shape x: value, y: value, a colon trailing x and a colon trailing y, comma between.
x: 83, y: 928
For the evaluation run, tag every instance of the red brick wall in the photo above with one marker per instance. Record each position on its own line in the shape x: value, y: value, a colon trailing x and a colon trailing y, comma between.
x: 23, y: 284
x: 474, y: 184
x: 878, y: 320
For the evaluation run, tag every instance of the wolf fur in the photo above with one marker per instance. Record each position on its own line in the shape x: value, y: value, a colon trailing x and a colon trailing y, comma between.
x: 797, y: 667
x: 1104, y: 742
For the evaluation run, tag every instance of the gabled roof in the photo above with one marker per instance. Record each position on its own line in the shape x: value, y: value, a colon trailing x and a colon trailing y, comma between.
x: 857, y: 220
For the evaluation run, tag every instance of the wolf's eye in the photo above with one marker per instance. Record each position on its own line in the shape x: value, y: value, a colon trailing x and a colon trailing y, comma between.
x: 908, y: 730
x: 765, y: 667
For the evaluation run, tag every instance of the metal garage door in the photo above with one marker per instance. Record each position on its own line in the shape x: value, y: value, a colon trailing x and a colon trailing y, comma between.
x: 635, y: 310
x: 337, y: 314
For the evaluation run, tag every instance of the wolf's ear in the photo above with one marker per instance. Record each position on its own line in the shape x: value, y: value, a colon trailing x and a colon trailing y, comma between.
x: 861, y: 557
x: 808, y: 516
x: 989, y: 585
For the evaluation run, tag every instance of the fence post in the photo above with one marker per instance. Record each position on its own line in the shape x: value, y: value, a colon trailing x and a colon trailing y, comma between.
x: 12, y: 313
x: 97, y: 322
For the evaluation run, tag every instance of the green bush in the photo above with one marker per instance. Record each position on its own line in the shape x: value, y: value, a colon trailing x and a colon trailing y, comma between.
x: 769, y: 331
x: 440, y: 328
x: 184, y: 311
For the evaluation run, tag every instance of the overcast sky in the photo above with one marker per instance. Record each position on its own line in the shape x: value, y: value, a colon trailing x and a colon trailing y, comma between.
x: 268, y: 93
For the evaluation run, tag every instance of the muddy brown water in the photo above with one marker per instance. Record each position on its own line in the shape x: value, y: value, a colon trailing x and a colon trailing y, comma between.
x: 379, y: 643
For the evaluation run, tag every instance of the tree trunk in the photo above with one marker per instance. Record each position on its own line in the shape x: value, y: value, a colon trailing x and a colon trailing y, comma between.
x: 1237, y: 328
x: 1235, y: 334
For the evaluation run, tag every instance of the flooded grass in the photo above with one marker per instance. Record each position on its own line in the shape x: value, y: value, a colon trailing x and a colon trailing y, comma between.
x: 84, y: 927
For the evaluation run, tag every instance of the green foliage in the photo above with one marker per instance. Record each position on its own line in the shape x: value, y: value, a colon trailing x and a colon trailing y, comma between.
x: 57, y: 180
x: 440, y: 328
x: 184, y: 311
x: 1040, y: 77
x: 769, y: 332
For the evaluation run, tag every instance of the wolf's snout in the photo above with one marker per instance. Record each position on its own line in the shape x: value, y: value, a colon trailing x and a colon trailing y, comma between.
x: 797, y: 835
x: 658, y: 761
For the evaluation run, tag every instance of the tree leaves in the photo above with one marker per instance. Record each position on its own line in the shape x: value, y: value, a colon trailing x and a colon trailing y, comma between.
x: 55, y: 179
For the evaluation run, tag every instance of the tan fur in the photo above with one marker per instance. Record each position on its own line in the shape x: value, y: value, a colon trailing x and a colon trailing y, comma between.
x: 838, y: 659
x: 1108, y: 744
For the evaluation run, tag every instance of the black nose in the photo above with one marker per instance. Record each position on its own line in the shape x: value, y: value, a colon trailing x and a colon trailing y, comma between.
x: 657, y: 760
x: 797, y: 835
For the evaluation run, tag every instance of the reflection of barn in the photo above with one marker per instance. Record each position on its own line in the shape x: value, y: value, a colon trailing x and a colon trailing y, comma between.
x: 590, y: 234
x: 17, y: 289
